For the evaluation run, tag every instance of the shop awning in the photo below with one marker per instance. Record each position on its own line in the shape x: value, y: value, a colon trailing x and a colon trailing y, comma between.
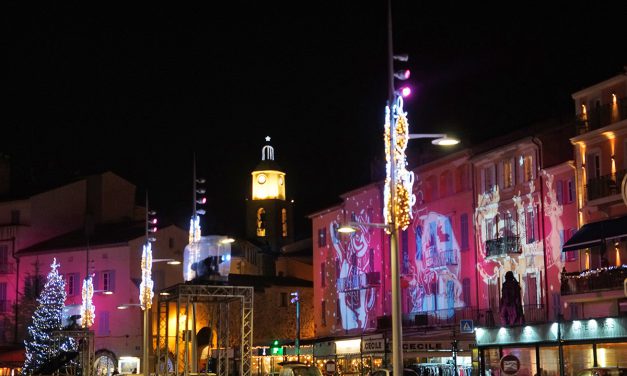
x: 596, y: 233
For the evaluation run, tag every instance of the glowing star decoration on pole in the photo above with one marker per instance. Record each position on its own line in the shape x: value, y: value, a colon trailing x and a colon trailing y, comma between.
x: 403, y: 195
x: 88, y: 310
x: 146, y: 293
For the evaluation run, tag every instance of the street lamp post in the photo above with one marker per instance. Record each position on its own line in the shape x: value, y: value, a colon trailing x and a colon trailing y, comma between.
x: 398, y: 187
x: 295, y: 299
x: 146, y: 292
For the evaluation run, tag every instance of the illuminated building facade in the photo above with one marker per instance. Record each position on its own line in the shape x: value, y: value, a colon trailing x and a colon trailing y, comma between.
x: 52, y: 224
x: 585, y: 238
x: 352, y: 297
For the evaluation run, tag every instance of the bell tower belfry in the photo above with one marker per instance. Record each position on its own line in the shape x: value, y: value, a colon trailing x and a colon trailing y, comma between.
x: 268, y: 214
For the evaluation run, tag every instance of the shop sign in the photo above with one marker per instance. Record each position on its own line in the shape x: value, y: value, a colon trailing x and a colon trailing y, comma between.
x: 516, y: 334
x: 413, y: 346
x: 510, y: 364
x: 373, y: 345
x: 595, y: 328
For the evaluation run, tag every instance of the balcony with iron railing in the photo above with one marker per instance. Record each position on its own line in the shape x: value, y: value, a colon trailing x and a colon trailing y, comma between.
x: 602, y: 116
x: 604, y: 186
x: 533, y: 314
x: 436, y: 259
x: 358, y: 281
x: 602, y: 279
x: 503, y: 246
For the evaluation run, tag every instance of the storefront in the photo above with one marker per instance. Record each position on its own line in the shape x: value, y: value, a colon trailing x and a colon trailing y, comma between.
x: 573, y: 345
x: 267, y: 360
x: 359, y: 356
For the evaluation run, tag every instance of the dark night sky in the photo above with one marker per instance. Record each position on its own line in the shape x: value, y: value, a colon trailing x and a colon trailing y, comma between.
x: 137, y: 88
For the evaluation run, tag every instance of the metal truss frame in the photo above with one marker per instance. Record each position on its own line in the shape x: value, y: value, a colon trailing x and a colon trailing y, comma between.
x: 183, y: 299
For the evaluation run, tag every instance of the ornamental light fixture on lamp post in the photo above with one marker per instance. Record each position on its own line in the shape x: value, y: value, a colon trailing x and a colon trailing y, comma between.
x: 398, y: 196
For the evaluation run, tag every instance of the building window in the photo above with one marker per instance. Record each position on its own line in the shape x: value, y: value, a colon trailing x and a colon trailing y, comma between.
x: 559, y: 192
x: 107, y: 281
x: 284, y: 222
x: 103, y: 323
x: 323, y: 275
x: 15, y: 217
x: 508, y: 173
x: 322, y: 237
x: 593, y: 165
x: 570, y: 194
x: 283, y: 299
x: 571, y: 255
x: 489, y: 178
x: 530, y: 226
x: 338, y: 312
x: 4, y: 259
x: 4, y: 303
x: 466, y: 291
x: 324, y: 313
x: 261, y: 222
x: 490, y: 229
x: 171, y: 243
x: 528, y: 168
x: 73, y: 284
x: 463, y: 222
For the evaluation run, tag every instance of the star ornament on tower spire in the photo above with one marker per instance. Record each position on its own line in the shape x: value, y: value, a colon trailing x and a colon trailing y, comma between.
x: 267, y: 138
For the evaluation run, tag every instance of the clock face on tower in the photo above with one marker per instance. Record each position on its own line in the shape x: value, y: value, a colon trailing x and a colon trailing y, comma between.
x: 261, y: 178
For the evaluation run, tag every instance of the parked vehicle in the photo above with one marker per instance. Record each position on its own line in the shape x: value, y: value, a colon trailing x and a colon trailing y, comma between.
x: 298, y: 369
x: 603, y: 371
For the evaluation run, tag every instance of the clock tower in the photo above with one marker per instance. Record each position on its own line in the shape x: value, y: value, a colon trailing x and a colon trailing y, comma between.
x: 268, y: 214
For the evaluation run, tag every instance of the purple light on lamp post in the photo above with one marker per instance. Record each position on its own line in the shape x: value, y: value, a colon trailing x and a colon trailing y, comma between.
x: 405, y: 91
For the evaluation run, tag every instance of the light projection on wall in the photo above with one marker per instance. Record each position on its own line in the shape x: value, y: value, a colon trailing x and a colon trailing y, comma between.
x: 434, y: 285
x: 553, y: 210
x: 509, y: 240
x: 356, y: 291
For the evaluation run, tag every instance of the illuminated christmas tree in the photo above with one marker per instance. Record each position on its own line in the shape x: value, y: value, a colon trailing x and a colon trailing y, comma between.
x: 46, y: 320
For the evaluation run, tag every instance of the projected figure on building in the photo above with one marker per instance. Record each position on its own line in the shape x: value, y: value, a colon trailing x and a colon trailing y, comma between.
x: 434, y: 284
x: 355, y: 298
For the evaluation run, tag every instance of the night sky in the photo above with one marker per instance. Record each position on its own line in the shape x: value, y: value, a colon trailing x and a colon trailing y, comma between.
x: 139, y: 88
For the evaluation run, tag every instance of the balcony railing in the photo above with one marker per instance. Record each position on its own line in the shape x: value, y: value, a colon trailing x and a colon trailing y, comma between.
x: 358, y: 281
x: 603, y: 279
x: 502, y: 246
x: 7, y: 268
x: 533, y: 314
x: 602, y: 116
x: 604, y: 186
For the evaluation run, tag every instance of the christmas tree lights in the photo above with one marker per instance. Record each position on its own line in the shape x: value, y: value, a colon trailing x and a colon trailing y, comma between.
x: 46, y: 320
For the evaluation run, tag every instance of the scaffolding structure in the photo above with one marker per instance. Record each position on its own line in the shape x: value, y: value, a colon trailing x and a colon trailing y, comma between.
x: 178, y: 324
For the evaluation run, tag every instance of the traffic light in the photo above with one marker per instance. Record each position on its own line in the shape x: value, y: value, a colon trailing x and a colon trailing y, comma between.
x: 276, y: 348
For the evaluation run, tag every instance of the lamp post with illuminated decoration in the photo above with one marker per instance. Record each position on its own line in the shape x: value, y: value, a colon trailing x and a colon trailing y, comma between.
x: 398, y: 197
x: 146, y: 292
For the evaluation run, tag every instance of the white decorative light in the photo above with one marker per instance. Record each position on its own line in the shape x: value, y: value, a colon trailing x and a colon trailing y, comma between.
x: 146, y: 292
x: 88, y: 310
x: 403, y: 191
